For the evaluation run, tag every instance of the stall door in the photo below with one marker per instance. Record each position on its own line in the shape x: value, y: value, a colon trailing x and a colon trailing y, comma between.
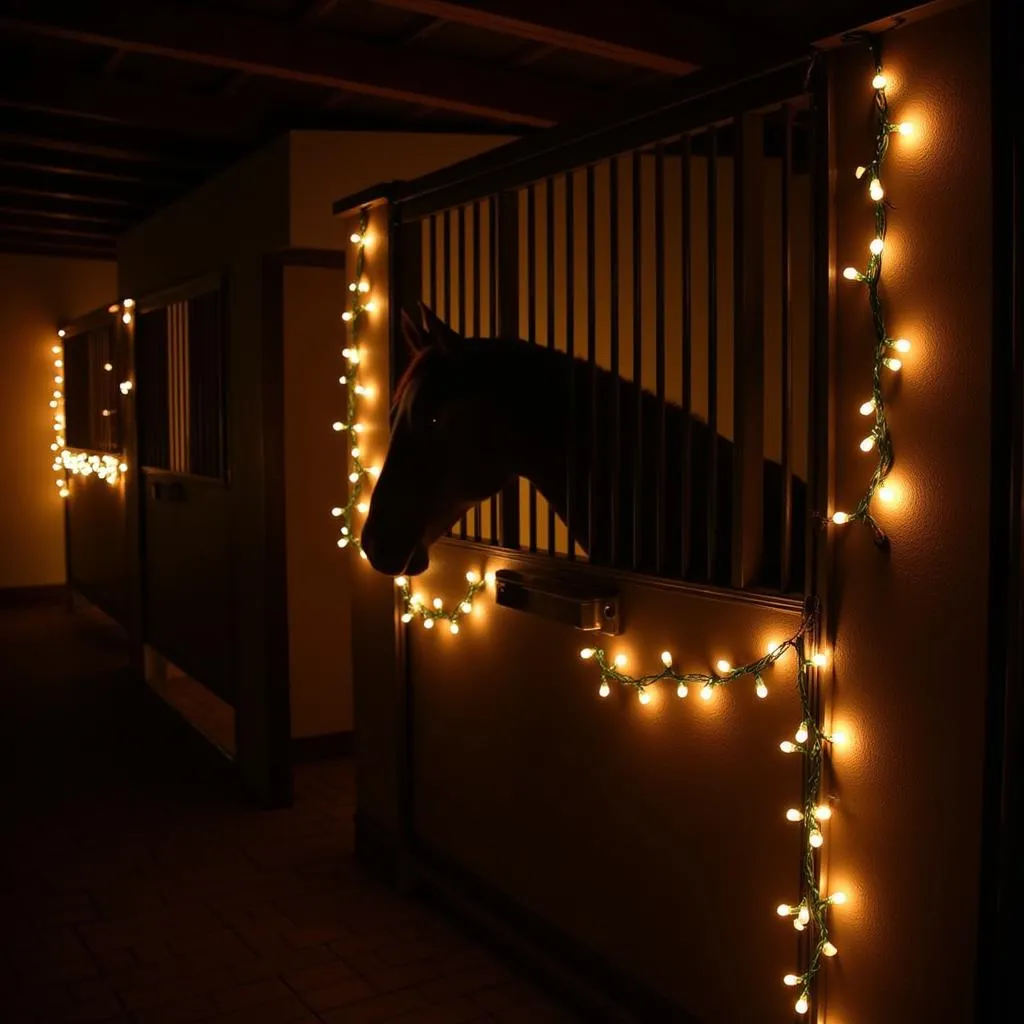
x: 188, y: 603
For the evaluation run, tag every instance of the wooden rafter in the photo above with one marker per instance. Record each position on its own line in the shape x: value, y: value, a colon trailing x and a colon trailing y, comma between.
x: 334, y: 61
x: 660, y: 36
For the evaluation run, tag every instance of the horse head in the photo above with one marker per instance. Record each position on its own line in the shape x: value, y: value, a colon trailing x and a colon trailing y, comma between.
x: 448, y: 447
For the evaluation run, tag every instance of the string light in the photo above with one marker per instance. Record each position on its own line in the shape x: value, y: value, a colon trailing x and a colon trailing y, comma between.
x: 414, y: 605
x: 880, y: 437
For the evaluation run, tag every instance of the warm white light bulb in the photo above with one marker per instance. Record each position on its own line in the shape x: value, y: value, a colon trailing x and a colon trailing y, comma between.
x: 893, y: 364
x: 416, y: 599
x: 428, y: 623
x: 875, y: 190
x: 879, y: 81
x: 852, y: 274
x: 876, y: 246
x: 355, y: 453
x: 804, y: 916
x: 353, y: 477
x: 828, y: 949
x: 723, y: 666
x: 682, y: 690
x: 820, y: 660
x: 363, y: 507
x: 490, y: 578
x: 838, y: 738
x: 794, y: 815
x: 352, y: 286
x: 838, y: 898
x: 336, y: 511
x: 706, y: 692
x: 453, y: 628
x: 60, y: 334
x: 787, y: 746
x: 604, y: 689
x: 761, y: 690
x: 839, y: 518
x: 337, y: 426
x: 886, y: 493
x: 407, y: 617
x: 343, y: 542
x: 586, y: 653
x: 901, y: 345
x: 438, y: 603
x: 355, y: 238
x: 666, y: 659
x: 784, y: 910
x: 801, y: 1005
x: 53, y: 404
x: 401, y: 581
x: 472, y: 577
x: 816, y: 839
x: 370, y: 307
x: 868, y: 407
x: 860, y: 172
x: 790, y: 980
x: 346, y: 316
x: 867, y: 444
x: 374, y: 471
x: 823, y: 812
x: 801, y: 734
x: 644, y: 697
x: 620, y: 660
x: 343, y: 380
x: 126, y: 318
x: 905, y: 127
x: 466, y: 607
x: 63, y: 492
x: 358, y: 428
x: 364, y: 287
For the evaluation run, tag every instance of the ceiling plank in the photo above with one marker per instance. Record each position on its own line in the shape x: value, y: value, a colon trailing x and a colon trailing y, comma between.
x: 60, y: 210
x: 315, y: 57
x: 84, y: 166
x: 11, y: 226
x: 18, y: 181
x: 661, y: 37
x: 14, y: 243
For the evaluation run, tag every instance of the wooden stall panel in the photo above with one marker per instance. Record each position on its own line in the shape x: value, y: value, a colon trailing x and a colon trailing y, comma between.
x: 653, y: 835
x: 97, y: 545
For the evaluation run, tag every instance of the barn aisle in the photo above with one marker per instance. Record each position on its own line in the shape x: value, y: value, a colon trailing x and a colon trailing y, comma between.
x: 134, y: 888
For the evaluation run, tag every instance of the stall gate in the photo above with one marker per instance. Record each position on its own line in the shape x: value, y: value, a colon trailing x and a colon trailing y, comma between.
x: 676, y: 252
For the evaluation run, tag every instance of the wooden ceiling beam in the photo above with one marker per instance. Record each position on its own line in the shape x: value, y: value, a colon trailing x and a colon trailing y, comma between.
x: 13, y: 226
x: 84, y: 166
x: 659, y: 36
x: 67, y: 249
x: 49, y: 209
x: 19, y: 181
x: 314, y: 57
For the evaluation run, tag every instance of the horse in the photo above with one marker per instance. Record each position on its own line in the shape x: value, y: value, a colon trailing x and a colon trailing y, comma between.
x: 470, y: 414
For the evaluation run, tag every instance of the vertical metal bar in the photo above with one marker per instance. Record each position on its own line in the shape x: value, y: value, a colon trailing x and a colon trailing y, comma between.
x: 686, y: 496
x: 659, y: 353
x: 446, y: 242
x: 549, y: 217
x: 638, y: 363
x: 531, y: 322
x: 571, y: 495
x: 478, y: 240
x: 591, y: 359
x: 508, y: 324
x: 748, y: 350
x: 460, y: 249
x: 492, y: 217
x: 613, y: 295
x: 711, y: 480
x: 785, y: 552
x: 433, y: 262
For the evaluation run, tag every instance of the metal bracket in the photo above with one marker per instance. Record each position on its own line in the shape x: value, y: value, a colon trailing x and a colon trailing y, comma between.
x: 591, y: 608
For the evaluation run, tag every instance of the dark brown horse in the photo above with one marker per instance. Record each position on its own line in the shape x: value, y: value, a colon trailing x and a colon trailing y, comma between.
x: 469, y: 414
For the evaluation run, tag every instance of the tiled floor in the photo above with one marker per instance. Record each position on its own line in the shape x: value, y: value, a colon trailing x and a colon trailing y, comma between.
x: 134, y: 888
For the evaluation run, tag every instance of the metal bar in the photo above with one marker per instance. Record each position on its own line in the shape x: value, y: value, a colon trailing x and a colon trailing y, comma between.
x: 748, y: 350
x: 478, y: 239
x: 638, y: 364
x: 571, y: 497
x: 492, y: 216
x: 686, y: 481
x: 613, y: 295
x: 531, y: 323
x: 508, y: 324
x: 786, y: 256
x: 460, y: 249
x: 659, y: 353
x: 711, y: 477
x: 433, y: 262
x: 591, y: 356
x: 549, y: 217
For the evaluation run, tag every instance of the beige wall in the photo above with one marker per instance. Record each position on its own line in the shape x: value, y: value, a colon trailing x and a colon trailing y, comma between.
x: 37, y: 294
x: 326, y: 166
x: 910, y: 681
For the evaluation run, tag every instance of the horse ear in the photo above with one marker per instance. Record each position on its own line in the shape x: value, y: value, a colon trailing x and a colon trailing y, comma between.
x: 415, y: 342
x: 436, y: 330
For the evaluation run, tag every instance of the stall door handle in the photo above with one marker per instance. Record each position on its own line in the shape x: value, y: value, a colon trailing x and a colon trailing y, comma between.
x: 173, y: 491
